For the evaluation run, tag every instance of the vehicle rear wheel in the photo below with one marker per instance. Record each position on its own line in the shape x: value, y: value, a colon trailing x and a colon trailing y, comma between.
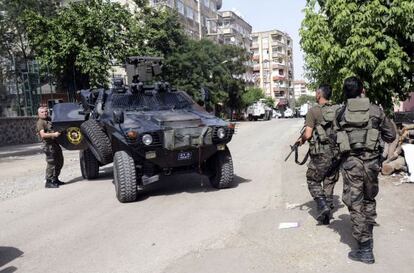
x: 125, y: 177
x: 255, y: 118
x: 89, y: 164
x: 101, y: 145
x: 221, y: 169
x: 250, y: 117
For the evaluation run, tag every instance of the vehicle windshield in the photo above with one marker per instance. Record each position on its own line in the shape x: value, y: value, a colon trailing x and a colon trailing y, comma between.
x: 153, y: 102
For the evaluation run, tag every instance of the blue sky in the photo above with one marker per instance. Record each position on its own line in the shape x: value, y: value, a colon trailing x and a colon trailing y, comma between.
x: 284, y: 15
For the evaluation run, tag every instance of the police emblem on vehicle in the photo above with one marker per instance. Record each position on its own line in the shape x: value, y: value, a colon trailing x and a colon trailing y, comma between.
x: 74, y: 135
x: 184, y: 156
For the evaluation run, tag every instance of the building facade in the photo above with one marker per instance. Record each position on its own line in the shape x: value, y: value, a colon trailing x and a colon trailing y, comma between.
x: 198, y: 17
x: 233, y: 30
x: 191, y: 12
x: 300, y: 88
x: 273, y: 65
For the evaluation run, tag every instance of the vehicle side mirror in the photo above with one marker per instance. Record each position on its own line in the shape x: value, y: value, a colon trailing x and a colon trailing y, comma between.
x: 118, y: 116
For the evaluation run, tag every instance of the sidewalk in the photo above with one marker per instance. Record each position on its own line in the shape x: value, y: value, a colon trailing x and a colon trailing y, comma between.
x: 20, y: 150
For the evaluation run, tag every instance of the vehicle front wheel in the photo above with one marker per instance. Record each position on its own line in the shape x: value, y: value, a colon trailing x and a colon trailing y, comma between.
x: 89, y: 164
x: 221, y: 169
x: 125, y: 177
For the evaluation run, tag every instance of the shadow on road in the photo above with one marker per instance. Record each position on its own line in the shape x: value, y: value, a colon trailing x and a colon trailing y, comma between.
x: 9, y: 269
x: 8, y: 254
x: 104, y: 174
x: 190, y: 183
x: 343, y: 227
x: 341, y: 224
x: 311, y: 205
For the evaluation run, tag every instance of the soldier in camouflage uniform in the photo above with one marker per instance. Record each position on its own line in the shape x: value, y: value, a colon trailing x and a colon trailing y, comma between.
x: 322, y: 171
x: 51, y: 148
x: 360, y: 127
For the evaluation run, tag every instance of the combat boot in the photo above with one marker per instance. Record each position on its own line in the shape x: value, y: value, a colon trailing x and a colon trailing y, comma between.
x: 323, y: 210
x: 364, y: 253
x: 51, y: 184
x: 60, y: 183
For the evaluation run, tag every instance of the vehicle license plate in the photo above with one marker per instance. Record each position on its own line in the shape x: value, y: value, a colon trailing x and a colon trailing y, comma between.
x: 184, y: 155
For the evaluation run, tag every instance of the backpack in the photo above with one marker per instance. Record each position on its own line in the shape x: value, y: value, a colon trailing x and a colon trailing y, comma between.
x: 356, y: 130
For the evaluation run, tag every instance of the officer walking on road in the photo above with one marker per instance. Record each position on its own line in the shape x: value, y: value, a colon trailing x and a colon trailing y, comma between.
x: 51, y: 148
x: 322, y: 171
x: 360, y: 127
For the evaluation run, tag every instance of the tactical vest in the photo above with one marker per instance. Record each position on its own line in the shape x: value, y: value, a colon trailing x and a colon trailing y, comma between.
x: 322, y: 139
x: 358, y: 131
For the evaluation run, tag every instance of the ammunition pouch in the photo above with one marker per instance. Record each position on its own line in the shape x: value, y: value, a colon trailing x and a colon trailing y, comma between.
x: 343, y: 142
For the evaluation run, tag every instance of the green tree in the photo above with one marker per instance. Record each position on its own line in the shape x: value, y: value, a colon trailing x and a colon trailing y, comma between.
x: 252, y: 95
x: 158, y: 30
x: 80, y: 42
x: 304, y: 99
x: 218, y: 68
x: 13, y: 26
x: 373, y: 40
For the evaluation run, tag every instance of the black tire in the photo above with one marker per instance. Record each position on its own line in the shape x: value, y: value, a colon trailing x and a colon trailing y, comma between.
x: 125, y: 177
x: 255, y: 118
x: 100, y: 143
x: 250, y: 117
x: 89, y: 164
x: 221, y: 170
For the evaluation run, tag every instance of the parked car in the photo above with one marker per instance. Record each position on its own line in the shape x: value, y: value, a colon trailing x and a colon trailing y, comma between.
x: 288, y: 113
x: 276, y: 114
x: 259, y: 110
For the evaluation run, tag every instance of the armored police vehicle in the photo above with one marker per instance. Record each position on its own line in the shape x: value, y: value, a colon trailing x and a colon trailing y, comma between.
x: 147, y: 130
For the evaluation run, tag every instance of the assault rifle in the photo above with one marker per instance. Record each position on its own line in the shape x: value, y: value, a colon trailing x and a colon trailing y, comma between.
x: 295, y: 148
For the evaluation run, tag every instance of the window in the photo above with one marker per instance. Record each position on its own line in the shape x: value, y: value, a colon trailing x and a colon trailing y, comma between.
x: 281, y: 72
x: 180, y: 7
x: 206, y: 3
x: 255, y: 39
x: 189, y: 13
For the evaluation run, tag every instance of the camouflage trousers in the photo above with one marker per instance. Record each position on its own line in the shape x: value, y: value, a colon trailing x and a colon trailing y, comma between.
x: 360, y: 189
x: 322, y: 175
x: 54, y: 159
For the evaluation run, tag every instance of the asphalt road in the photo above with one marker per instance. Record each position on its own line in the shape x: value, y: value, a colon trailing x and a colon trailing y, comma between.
x: 183, y: 225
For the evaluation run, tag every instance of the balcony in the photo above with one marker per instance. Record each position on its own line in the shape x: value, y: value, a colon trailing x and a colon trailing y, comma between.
x: 255, y: 46
x: 279, y: 93
x: 279, y: 78
x: 277, y: 54
x: 278, y: 66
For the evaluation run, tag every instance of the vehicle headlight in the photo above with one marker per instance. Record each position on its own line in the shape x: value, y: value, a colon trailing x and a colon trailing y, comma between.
x: 221, y: 133
x: 147, y: 139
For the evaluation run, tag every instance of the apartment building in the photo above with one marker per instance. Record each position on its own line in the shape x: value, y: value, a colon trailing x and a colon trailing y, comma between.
x: 300, y: 89
x: 194, y: 12
x: 273, y: 65
x: 233, y: 29
x: 191, y: 12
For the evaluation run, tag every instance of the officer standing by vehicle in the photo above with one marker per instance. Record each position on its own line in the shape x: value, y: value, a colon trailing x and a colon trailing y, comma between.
x: 322, y: 171
x: 51, y: 148
x: 360, y: 127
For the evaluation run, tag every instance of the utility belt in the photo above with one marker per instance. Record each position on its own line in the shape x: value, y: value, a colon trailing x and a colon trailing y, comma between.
x: 358, y: 141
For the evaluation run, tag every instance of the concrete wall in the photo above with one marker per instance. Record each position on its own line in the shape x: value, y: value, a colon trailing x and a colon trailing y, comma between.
x: 18, y: 130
